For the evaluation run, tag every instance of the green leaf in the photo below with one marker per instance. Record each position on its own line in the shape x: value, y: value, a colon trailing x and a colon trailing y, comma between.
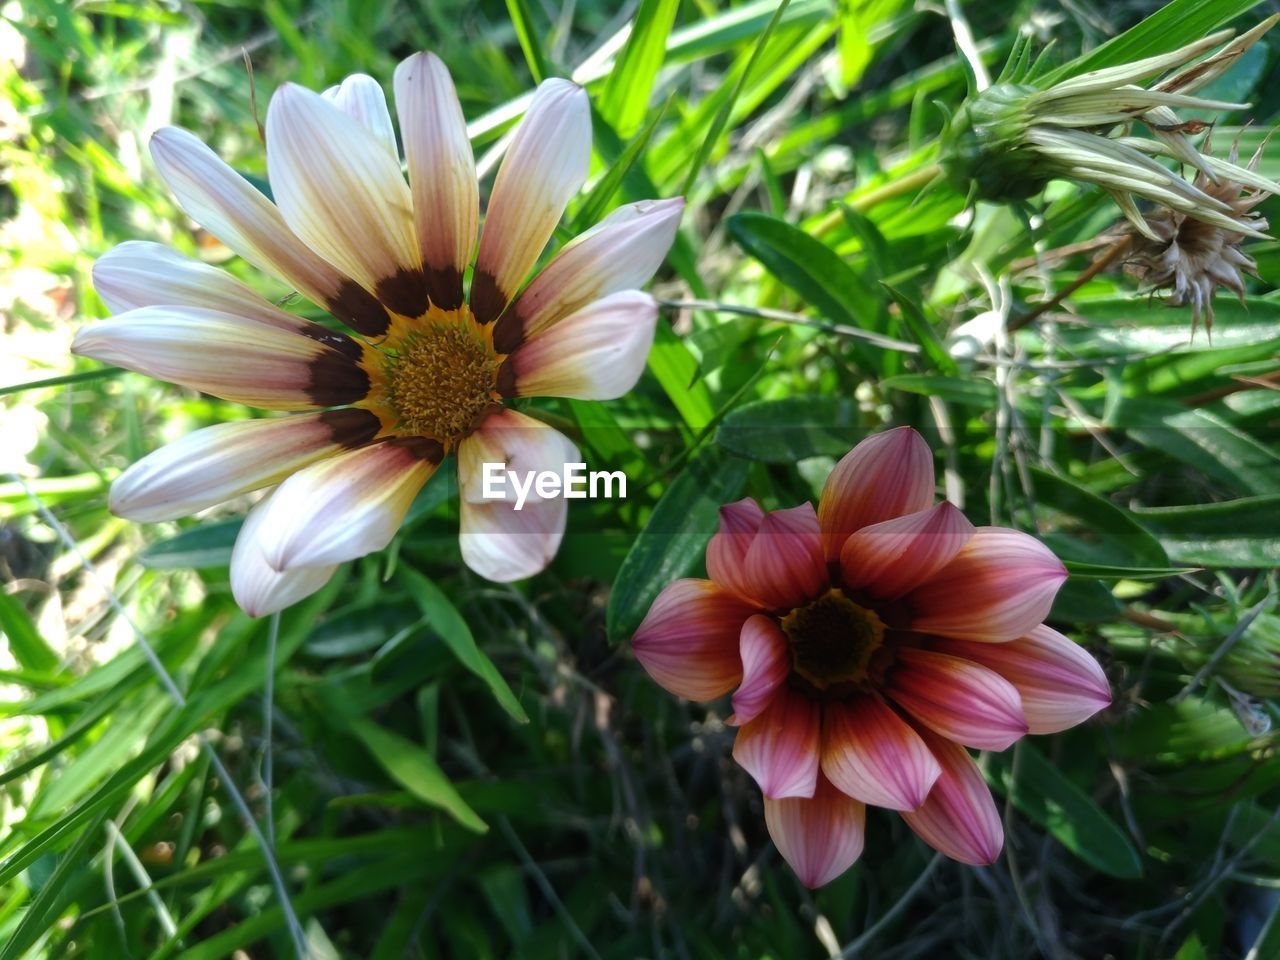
x: 792, y: 428
x: 1235, y: 533
x: 1102, y: 571
x: 597, y: 201
x: 412, y: 767
x: 1060, y: 807
x: 530, y: 43
x: 206, y: 546
x: 443, y: 617
x: 923, y: 333
x: 629, y: 85
x: 1103, y: 534
x: 671, y: 544
x: 677, y: 372
x: 25, y: 642
x: 972, y: 392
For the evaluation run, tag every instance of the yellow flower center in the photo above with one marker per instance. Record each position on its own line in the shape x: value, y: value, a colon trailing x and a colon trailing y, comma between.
x: 832, y: 639
x: 441, y: 376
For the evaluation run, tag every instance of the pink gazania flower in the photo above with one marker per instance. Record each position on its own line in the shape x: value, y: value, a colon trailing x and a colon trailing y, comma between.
x: 870, y: 643
x: 434, y: 361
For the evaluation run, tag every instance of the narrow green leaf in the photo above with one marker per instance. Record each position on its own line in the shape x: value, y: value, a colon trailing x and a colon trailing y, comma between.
x: 25, y: 642
x: 443, y: 617
x: 598, y: 199
x: 1059, y: 806
x: 630, y: 83
x: 1103, y: 534
x: 530, y: 42
x: 677, y: 372
x: 1234, y: 533
x: 923, y: 333
x: 412, y: 767
x: 792, y: 428
x: 204, y: 547
x: 671, y: 544
x: 971, y: 391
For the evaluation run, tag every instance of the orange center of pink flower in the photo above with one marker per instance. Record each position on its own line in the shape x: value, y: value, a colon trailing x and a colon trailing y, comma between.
x: 832, y: 639
x: 441, y: 377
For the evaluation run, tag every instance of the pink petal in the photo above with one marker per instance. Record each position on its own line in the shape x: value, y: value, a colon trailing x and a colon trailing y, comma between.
x: 999, y: 587
x: 621, y: 252
x: 765, y: 666
x: 346, y: 506
x: 891, y: 558
x: 1059, y: 683
x: 598, y: 353
x: 885, y: 476
x: 260, y: 590
x: 689, y: 640
x: 958, y: 699
x: 959, y: 819
x: 442, y: 173
x: 217, y: 463
x: 780, y: 747
x: 873, y: 755
x: 545, y: 165
x: 819, y: 837
x: 784, y: 565
x: 727, y: 551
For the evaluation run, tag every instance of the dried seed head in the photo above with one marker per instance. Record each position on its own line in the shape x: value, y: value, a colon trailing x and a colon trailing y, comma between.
x: 1188, y: 259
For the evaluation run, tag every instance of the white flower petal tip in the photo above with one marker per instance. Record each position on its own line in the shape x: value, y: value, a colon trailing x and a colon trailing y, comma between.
x: 597, y: 353
x: 341, y: 191
x: 360, y: 97
x: 621, y: 252
x: 545, y: 165
x: 258, y: 589
x: 343, y: 507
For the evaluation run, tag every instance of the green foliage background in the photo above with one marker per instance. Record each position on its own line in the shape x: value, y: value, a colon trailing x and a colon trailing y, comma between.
x: 461, y: 769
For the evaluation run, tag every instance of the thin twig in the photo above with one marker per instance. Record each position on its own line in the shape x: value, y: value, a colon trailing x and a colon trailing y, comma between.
x: 1112, y: 254
x: 268, y: 711
x: 892, y: 914
x: 786, y: 316
x: 301, y: 948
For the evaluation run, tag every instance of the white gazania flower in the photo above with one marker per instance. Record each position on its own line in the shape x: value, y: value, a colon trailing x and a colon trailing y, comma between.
x: 431, y: 369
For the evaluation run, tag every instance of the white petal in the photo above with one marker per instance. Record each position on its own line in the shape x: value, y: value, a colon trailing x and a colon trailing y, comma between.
x: 236, y: 212
x: 217, y: 463
x: 139, y: 273
x: 258, y: 589
x: 545, y: 166
x: 343, y: 507
x: 518, y: 444
x: 597, y: 353
x: 442, y: 173
x: 230, y: 357
x: 361, y: 98
x: 342, y: 192
x: 621, y: 252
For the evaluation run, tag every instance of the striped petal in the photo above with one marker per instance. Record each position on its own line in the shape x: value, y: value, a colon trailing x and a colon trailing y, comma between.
x: 959, y: 819
x: 544, y: 167
x: 887, y: 475
x: 780, y: 747
x: 873, y: 755
x: 958, y: 699
x: 360, y: 97
x: 260, y: 590
x: 689, y: 640
x: 442, y: 174
x: 1059, y: 683
x: 999, y: 587
x: 342, y: 192
x: 212, y: 465
x: 893, y: 557
x: 499, y: 541
x: 784, y: 566
x: 597, y: 353
x: 727, y: 551
x: 237, y: 213
x: 344, y: 507
x: 622, y: 252
x: 230, y: 357
x: 765, y: 665
x: 819, y: 837
x: 139, y: 273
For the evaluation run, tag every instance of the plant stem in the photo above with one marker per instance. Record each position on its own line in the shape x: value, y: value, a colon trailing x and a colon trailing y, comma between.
x: 1110, y: 256
x: 865, y: 201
